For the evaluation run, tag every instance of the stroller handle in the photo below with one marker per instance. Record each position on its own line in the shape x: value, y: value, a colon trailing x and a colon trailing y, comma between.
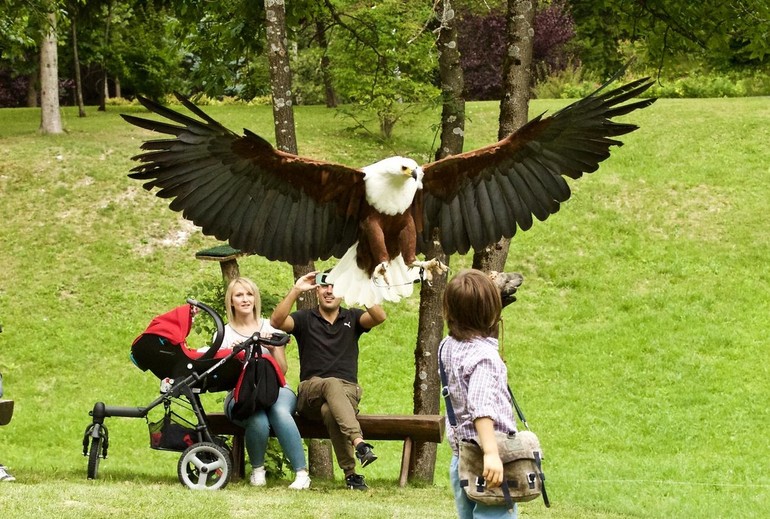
x: 220, y: 335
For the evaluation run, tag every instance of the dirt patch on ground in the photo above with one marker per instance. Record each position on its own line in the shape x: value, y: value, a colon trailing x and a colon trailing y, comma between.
x: 172, y: 238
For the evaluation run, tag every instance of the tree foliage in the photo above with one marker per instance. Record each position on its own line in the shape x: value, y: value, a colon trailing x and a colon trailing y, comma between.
x: 21, y: 31
x: 224, y: 53
x: 373, y: 55
x: 145, y: 53
x: 482, y: 40
x: 722, y: 35
x: 382, y: 56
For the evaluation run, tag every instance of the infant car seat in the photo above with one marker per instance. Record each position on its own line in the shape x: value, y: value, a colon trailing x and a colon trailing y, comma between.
x: 162, y: 349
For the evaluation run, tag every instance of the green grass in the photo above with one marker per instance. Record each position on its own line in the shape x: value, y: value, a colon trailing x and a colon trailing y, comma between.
x: 637, y: 347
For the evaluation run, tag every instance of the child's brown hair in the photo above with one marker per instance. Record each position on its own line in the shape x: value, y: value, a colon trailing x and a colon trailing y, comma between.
x: 472, y: 305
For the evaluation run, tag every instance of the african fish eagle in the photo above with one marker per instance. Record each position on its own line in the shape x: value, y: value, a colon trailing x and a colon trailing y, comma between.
x: 377, y: 218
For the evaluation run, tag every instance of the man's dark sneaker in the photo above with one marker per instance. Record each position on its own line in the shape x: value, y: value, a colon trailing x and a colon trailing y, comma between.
x: 356, y: 482
x: 365, y: 454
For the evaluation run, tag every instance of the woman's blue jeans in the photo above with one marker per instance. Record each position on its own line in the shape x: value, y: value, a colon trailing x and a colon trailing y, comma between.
x: 280, y: 417
x: 467, y: 509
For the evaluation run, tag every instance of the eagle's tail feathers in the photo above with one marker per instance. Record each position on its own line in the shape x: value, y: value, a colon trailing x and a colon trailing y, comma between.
x: 356, y: 287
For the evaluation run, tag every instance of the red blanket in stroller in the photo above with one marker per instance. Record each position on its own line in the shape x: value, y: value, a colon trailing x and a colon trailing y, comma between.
x: 174, y: 325
x: 162, y: 349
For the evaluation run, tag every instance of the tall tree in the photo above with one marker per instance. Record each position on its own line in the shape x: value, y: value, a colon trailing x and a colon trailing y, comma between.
x: 431, y: 325
x: 104, y: 92
x: 329, y: 93
x: 384, y: 60
x: 73, y: 9
x: 50, y: 117
x: 514, y: 106
x: 226, y: 53
x: 319, y: 452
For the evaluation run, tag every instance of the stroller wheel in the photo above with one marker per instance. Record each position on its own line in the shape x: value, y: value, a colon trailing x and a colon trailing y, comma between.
x: 94, y: 455
x: 204, y: 466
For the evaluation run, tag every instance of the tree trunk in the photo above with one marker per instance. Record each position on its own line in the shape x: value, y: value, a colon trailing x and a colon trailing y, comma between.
x: 104, y: 92
x: 76, y: 64
x: 34, y: 79
x: 331, y: 95
x: 50, y: 119
x: 431, y: 325
x: 514, y: 106
x: 118, y: 93
x: 319, y: 452
x: 280, y: 76
x: 452, y: 84
x: 427, y: 385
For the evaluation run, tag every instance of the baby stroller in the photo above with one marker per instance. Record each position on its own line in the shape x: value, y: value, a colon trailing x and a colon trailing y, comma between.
x: 205, y: 462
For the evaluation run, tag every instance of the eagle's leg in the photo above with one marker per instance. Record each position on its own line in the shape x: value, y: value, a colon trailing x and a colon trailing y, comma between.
x: 430, y: 268
x: 372, y: 249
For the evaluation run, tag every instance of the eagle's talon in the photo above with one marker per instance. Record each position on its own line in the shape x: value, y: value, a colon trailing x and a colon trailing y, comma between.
x: 381, y: 273
x: 430, y: 268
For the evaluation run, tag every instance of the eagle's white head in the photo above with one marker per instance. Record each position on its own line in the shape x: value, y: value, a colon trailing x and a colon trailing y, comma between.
x: 392, y: 183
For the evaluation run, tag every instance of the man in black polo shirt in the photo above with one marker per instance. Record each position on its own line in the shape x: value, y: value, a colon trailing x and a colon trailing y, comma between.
x: 327, y: 339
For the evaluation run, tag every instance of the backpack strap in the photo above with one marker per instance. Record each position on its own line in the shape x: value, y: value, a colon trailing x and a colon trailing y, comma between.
x: 540, y: 474
x: 450, y: 411
x: 507, y: 496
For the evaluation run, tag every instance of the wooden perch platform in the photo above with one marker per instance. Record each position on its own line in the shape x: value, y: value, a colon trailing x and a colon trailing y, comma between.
x: 227, y: 258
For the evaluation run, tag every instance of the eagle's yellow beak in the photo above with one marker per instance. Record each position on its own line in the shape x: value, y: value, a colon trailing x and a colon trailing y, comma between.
x: 408, y: 172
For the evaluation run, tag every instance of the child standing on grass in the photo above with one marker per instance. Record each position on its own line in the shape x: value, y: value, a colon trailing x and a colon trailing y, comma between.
x: 477, y: 380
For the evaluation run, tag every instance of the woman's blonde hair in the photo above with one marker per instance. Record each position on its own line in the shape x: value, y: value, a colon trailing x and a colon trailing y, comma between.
x: 249, y: 285
x: 472, y: 305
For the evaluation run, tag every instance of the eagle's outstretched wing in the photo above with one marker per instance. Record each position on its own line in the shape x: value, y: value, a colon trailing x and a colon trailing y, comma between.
x: 243, y: 190
x: 477, y: 198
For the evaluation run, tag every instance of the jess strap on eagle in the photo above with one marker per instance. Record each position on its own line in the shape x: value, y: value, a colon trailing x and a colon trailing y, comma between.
x: 520, y: 452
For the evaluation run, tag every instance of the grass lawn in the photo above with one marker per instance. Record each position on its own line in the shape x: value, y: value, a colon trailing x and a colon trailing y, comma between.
x: 637, y: 347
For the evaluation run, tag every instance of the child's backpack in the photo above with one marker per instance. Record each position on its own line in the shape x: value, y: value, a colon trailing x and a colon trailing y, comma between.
x: 257, y: 386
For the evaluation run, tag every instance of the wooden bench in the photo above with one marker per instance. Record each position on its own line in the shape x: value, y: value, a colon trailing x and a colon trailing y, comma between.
x: 409, y: 429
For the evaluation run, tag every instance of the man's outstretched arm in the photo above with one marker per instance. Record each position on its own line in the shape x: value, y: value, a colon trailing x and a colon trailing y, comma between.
x: 280, y: 317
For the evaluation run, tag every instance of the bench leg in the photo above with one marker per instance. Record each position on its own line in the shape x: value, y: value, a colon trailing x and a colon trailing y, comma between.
x: 239, y: 458
x: 406, y: 458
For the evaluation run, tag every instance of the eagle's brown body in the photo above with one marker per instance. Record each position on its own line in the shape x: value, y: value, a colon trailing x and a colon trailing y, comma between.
x: 383, y: 238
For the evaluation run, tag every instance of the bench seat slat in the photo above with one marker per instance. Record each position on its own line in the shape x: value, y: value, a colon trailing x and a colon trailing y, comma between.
x: 407, y: 428
x: 421, y: 428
